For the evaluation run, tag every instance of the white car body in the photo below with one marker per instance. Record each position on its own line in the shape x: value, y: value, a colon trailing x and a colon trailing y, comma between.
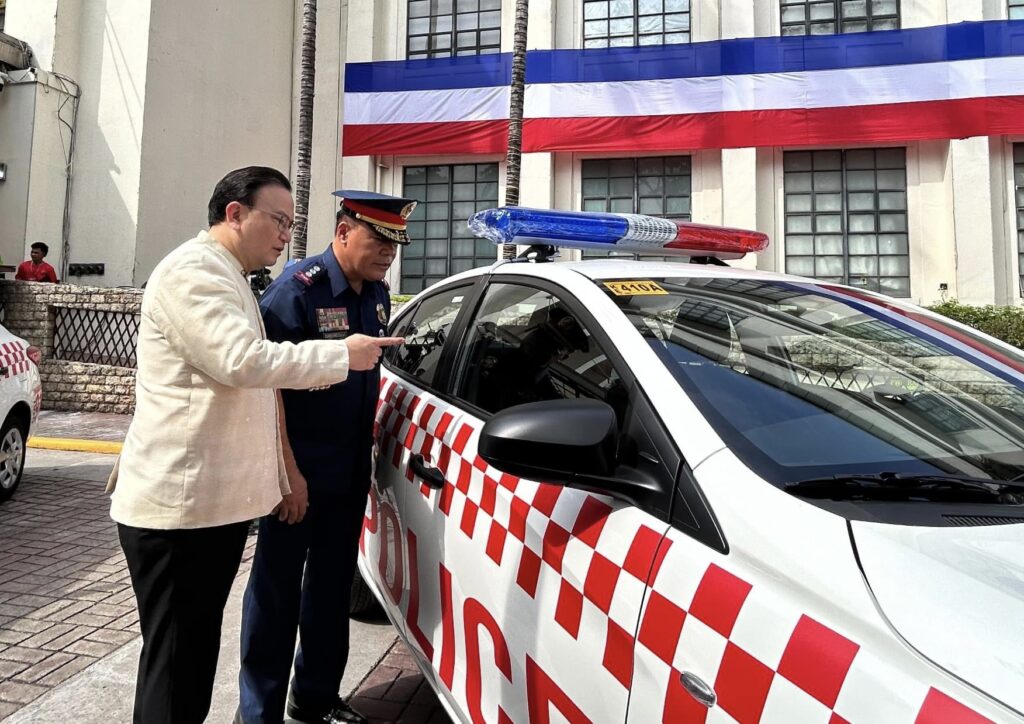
x: 20, y: 400
x: 525, y: 601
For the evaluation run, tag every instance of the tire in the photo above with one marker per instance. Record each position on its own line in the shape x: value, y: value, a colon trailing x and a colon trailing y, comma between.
x: 361, y: 599
x: 12, y: 456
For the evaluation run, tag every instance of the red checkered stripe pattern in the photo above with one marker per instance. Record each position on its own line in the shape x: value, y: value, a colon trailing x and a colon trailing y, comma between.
x: 767, y: 661
x: 597, y: 554
x: 14, y: 357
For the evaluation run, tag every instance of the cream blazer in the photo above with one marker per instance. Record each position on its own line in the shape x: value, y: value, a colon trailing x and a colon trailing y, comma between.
x: 203, y: 448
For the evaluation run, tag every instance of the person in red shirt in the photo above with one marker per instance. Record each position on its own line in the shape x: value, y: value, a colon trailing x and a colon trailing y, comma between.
x: 37, y: 270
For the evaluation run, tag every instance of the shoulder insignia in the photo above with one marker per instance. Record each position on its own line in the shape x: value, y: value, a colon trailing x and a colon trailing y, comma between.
x: 311, y: 274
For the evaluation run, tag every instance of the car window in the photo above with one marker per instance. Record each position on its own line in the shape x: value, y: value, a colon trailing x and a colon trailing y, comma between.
x: 425, y: 331
x: 525, y: 345
x: 805, y: 381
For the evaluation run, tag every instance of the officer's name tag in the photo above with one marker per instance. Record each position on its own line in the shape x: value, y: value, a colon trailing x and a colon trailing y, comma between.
x: 332, y: 322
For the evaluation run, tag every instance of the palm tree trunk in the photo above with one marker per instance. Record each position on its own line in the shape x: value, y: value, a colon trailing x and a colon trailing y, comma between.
x: 515, y: 114
x: 307, y: 82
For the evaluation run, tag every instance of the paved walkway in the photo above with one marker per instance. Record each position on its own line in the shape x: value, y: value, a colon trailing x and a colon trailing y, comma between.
x: 69, y: 630
x: 65, y: 597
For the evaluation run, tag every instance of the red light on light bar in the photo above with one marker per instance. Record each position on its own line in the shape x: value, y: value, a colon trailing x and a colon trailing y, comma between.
x: 717, y: 239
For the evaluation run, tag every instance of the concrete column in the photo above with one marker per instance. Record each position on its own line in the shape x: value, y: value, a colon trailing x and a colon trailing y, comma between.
x: 536, y: 180
x: 737, y: 19
x: 925, y: 13
x: 740, y: 192
x: 770, y: 203
x: 540, y: 33
x: 930, y: 217
x: 972, y: 220
x: 960, y: 11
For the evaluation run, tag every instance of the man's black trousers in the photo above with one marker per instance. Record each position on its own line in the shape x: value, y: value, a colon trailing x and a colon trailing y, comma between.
x: 181, y: 579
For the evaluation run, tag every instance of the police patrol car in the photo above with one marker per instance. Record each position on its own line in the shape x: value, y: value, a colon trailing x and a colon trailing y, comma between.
x: 628, y: 491
x: 20, y: 398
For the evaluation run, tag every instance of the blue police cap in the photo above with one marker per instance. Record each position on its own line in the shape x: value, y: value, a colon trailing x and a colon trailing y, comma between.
x: 386, y: 214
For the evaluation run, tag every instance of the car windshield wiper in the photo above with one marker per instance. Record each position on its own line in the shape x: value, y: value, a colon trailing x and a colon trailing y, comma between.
x: 909, y: 486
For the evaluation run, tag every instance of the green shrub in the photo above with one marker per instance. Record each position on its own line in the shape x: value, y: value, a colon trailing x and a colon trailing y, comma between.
x: 1005, y: 323
x: 400, y: 298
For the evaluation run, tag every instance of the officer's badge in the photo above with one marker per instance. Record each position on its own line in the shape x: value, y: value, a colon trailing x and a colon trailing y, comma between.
x: 332, y: 322
x: 382, y: 315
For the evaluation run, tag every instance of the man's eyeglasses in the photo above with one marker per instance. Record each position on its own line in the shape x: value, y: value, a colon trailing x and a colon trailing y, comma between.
x: 284, y: 224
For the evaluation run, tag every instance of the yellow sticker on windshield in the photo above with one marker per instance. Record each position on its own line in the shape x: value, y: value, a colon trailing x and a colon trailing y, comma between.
x: 634, y: 288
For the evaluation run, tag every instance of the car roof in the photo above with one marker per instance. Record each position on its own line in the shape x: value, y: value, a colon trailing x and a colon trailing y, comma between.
x: 598, y: 269
x: 625, y: 268
x: 629, y: 268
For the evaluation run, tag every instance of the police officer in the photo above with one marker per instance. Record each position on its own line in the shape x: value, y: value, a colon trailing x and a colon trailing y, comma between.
x: 305, y: 558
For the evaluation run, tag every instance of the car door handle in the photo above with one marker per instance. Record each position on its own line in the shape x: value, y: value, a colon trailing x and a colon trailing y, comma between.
x: 698, y: 689
x: 433, y: 477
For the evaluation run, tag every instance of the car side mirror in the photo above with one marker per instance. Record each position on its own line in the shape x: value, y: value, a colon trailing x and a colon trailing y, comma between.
x: 555, y: 441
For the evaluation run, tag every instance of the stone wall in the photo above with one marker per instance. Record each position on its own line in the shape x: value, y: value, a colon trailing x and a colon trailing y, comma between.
x: 29, y: 311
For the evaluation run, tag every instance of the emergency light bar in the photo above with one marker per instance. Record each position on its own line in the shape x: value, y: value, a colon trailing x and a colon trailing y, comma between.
x: 633, y: 233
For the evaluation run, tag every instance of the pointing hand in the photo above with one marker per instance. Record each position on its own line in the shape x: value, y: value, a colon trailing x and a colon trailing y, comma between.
x: 364, y: 351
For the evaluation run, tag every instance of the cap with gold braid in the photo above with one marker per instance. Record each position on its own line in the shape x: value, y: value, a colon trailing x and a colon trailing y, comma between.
x: 387, y: 215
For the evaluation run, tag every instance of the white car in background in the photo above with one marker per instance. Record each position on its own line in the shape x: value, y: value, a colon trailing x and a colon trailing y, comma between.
x: 20, y: 397
x: 630, y: 491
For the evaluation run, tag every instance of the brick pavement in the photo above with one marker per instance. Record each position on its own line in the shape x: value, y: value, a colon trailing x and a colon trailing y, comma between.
x: 65, y: 596
x: 396, y: 691
x: 66, y: 599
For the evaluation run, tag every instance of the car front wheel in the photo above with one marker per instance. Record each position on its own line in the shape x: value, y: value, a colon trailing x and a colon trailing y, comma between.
x: 12, y: 456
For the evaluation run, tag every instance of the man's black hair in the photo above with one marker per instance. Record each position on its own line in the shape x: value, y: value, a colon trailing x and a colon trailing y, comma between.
x: 241, y: 185
x: 42, y: 246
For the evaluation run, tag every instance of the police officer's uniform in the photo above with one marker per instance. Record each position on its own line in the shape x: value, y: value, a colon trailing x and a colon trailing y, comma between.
x: 331, y: 433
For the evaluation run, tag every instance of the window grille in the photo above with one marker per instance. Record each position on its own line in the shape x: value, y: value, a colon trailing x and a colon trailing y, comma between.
x: 846, y: 217
x: 617, y: 23
x: 658, y: 186
x: 99, y: 337
x: 1016, y: 9
x: 442, y: 243
x: 826, y: 17
x: 442, y: 28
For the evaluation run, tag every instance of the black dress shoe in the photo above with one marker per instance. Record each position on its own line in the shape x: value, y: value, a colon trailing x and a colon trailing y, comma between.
x: 338, y: 713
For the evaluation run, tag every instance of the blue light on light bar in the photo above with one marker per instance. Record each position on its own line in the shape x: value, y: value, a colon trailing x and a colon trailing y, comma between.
x: 635, y: 233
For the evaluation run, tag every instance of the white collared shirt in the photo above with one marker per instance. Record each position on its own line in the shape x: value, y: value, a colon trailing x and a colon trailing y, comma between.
x: 203, y: 448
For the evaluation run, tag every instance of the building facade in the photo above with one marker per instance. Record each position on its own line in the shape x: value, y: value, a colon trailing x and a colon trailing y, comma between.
x: 925, y: 218
x: 171, y: 96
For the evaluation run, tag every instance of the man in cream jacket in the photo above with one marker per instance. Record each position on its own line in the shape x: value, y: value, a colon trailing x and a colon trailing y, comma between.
x: 204, y: 454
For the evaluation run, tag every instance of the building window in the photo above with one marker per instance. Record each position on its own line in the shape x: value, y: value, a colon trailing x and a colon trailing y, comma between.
x: 825, y: 17
x: 846, y: 217
x: 442, y: 243
x: 1016, y: 9
x: 658, y: 186
x: 442, y: 28
x: 616, y: 23
x: 3, y: 12
x: 1018, y: 188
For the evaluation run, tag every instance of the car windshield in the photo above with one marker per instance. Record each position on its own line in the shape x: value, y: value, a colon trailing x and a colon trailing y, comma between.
x: 805, y: 380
